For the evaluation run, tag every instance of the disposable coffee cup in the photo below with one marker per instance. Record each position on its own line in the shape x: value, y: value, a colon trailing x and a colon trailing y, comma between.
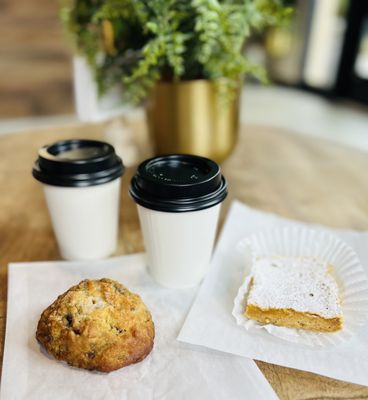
x: 178, y: 199
x: 81, y: 182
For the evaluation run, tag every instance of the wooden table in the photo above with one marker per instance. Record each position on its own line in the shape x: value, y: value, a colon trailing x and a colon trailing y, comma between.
x: 272, y: 170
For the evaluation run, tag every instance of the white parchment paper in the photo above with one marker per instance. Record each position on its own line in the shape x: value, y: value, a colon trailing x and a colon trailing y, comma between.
x: 172, y: 371
x: 211, y: 324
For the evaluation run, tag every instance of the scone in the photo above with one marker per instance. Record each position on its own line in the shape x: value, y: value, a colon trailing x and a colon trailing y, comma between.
x: 97, y: 325
x: 294, y: 292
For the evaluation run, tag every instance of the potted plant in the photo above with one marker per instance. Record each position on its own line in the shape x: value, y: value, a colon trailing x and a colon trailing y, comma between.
x: 183, y: 58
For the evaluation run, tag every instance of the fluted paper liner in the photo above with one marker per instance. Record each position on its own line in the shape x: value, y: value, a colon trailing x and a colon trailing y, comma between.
x: 300, y: 242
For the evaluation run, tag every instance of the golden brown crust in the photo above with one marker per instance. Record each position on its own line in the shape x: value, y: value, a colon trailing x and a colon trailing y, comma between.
x: 293, y: 319
x: 97, y: 325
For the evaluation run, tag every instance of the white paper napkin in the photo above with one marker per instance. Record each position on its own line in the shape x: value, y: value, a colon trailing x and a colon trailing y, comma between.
x: 211, y: 324
x: 172, y: 371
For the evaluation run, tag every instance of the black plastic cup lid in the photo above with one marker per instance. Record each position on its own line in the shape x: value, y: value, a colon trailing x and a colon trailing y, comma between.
x: 77, y: 163
x: 178, y: 183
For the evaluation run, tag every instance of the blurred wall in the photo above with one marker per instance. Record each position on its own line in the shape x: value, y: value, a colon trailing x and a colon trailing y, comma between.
x: 35, y: 68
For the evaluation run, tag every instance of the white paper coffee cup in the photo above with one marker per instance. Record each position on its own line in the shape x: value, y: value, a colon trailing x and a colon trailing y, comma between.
x: 178, y: 199
x: 81, y: 181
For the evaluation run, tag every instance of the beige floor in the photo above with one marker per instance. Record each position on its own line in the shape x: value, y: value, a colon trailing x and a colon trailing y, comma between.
x: 306, y: 113
x: 297, y: 111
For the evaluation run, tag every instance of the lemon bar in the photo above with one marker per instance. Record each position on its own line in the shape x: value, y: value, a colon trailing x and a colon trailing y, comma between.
x: 294, y: 292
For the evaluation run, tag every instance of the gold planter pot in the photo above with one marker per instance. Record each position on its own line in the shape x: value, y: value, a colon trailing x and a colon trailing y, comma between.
x: 193, y: 117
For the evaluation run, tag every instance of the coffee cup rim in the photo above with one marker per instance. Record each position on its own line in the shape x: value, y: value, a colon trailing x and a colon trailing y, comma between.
x: 179, y: 194
x: 51, y: 169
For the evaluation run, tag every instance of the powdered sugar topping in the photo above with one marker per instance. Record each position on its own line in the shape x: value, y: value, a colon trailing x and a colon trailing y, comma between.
x: 300, y: 283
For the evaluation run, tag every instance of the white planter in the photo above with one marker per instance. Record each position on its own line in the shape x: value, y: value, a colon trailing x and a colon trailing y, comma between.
x: 89, y: 106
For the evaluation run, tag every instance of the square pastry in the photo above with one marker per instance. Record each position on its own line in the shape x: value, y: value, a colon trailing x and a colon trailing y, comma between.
x: 294, y: 292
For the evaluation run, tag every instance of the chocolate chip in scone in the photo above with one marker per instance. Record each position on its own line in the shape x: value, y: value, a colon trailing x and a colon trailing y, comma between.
x: 49, y: 338
x: 119, y: 330
x: 69, y: 320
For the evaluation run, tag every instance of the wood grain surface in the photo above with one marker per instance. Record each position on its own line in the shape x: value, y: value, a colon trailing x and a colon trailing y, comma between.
x: 35, y: 60
x: 272, y: 170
